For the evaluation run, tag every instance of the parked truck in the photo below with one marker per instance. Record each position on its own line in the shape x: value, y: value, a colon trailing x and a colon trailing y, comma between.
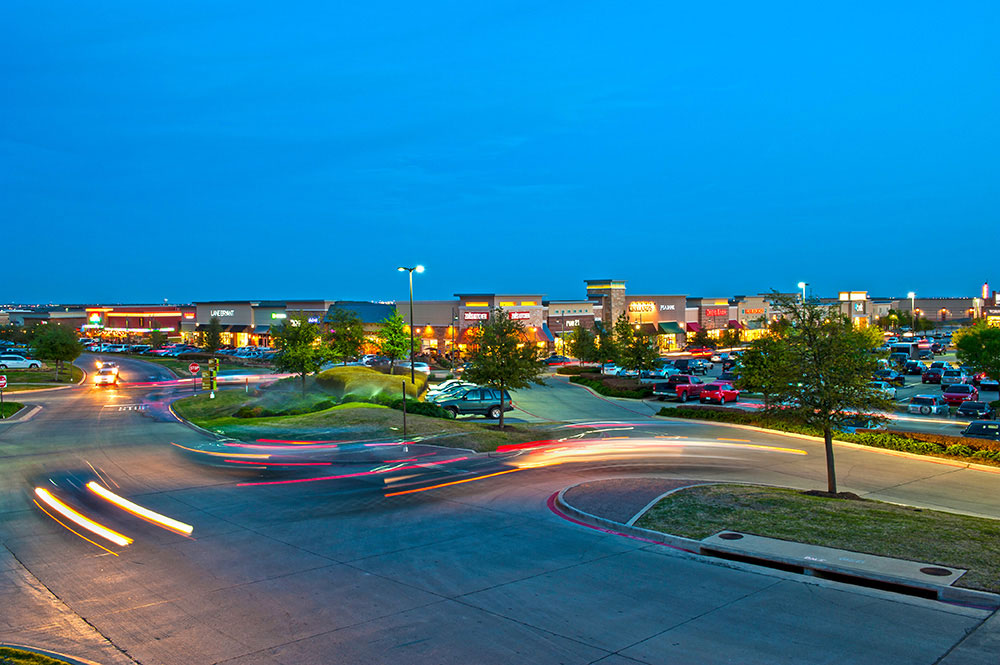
x: 680, y: 386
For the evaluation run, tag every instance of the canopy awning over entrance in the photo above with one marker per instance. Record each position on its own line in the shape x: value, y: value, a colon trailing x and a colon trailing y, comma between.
x: 646, y: 329
x: 671, y: 328
x: 693, y: 327
x: 262, y: 329
x: 733, y: 323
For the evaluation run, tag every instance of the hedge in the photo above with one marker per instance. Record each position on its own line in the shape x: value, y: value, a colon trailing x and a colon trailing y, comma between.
x: 396, y: 402
x: 599, y: 387
x: 574, y: 370
x: 921, y: 443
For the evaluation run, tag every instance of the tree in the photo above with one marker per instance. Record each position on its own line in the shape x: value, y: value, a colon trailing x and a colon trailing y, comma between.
x: 157, y: 338
x: 505, y: 357
x: 636, y: 351
x: 730, y: 337
x: 701, y: 338
x: 823, y: 372
x: 764, y: 369
x: 346, y: 334
x: 213, y: 336
x: 607, y: 347
x: 979, y: 347
x: 394, y: 339
x: 58, y: 344
x: 582, y: 345
x: 923, y: 325
x: 300, y: 350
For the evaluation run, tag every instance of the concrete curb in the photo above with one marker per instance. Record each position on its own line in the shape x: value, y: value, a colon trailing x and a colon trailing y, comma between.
x: 846, y: 444
x: 950, y: 594
x: 51, y: 654
x: 27, y: 412
x: 184, y: 421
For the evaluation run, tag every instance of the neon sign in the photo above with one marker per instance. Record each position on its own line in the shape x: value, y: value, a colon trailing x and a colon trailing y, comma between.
x: 716, y: 312
x: 641, y: 307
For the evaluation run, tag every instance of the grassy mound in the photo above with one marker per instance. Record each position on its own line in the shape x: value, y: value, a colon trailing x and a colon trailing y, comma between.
x: 19, y: 657
x: 367, y: 382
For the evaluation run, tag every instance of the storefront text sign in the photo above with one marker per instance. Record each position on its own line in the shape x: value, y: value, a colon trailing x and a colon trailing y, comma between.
x: 223, y: 312
x: 668, y: 308
x: 641, y: 307
x: 716, y: 312
x: 476, y: 316
x: 519, y: 315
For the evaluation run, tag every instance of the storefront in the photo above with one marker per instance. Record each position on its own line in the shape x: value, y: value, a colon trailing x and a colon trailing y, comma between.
x: 244, y: 322
x: 436, y: 324
x: 659, y: 317
x: 992, y: 316
x: 476, y: 308
x: 565, y: 316
x: 712, y: 315
x: 131, y: 323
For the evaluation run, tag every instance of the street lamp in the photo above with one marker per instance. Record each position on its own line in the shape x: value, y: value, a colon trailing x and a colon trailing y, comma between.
x: 411, y: 271
x: 803, y: 285
x: 913, y: 311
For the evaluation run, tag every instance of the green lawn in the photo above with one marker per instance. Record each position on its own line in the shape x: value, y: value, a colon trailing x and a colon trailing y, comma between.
x: 10, y: 656
x: 873, y: 527
x: 68, y: 374
x: 9, y: 409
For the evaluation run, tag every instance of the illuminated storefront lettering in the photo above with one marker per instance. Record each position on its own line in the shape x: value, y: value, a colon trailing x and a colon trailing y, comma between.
x: 223, y: 312
x: 716, y: 312
x: 641, y: 307
x: 476, y: 316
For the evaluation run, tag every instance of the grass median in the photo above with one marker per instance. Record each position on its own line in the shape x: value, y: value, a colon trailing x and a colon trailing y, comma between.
x: 872, y: 527
x: 10, y: 408
x: 338, y: 412
x: 69, y: 374
x: 10, y: 656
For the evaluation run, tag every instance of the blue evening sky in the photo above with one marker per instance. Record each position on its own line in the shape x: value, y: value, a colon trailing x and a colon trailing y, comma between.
x: 193, y: 150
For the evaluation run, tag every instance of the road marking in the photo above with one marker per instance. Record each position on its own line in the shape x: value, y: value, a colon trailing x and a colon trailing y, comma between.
x: 127, y: 407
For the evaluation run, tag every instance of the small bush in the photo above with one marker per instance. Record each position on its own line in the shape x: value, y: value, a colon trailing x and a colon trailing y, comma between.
x: 574, y: 370
x: 642, y: 392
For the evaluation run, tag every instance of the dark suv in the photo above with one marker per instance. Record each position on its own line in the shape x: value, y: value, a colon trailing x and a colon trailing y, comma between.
x: 477, y: 401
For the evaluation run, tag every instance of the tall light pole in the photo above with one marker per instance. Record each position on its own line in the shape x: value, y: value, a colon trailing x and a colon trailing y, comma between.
x: 913, y: 311
x: 413, y: 381
x: 803, y: 285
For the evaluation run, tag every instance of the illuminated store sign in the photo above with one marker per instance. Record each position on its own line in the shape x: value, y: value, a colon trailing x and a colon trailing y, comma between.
x: 756, y: 310
x: 668, y: 308
x: 313, y: 319
x: 641, y: 307
x: 519, y: 315
x: 716, y: 312
x: 223, y: 312
x: 476, y: 316
x: 278, y: 315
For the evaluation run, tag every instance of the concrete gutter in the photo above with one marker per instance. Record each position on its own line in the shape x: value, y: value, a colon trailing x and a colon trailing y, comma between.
x: 27, y: 412
x: 801, y: 565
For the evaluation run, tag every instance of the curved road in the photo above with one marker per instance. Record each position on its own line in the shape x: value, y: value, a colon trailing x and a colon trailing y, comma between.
x: 478, y: 572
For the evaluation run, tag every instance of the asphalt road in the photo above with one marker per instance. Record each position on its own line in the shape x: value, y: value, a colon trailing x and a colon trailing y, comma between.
x: 482, y: 571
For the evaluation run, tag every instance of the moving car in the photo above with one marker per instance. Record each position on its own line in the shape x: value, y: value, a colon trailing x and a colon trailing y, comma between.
x: 700, y: 351
x: 11, y: 361
x: 417, y: 366
x: 478, y: 401
x: 106, y: 376
x: 557, y: 360
x: 983, y: 429
x: 928, y: 405
x: 719, y: 392
x: 451, y: 391
x: 957, y: 393
x: 976, y: 410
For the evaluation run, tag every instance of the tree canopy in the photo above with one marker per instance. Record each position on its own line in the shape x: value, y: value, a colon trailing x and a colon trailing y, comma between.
x: 979, y: 347
x: 505, y: 356
x: 818, y: 371
x: 394, y: 339
x: 582, y: 345
x: 213, y: 336
x: 300, y: 351
x: 58, y: 344
x: 346, y: 334
x: 636, y: 351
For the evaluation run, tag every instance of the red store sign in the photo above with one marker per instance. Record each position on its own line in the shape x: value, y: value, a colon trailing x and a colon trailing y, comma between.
x: 716, y: 312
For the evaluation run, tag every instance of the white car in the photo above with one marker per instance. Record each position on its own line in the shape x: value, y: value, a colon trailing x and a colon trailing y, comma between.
x: 886, y: 389
x: 12, y: 361
x: 106, y: 376
x: 444, y: 385
x: 417, y: 367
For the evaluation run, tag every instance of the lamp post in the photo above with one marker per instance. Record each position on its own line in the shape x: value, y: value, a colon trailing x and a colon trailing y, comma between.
x: 913, y: 311
x: 803, y: 285
x: 411, y: 270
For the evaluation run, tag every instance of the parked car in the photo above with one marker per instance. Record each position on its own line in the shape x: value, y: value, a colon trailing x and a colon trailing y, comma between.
x: 939, y: 347
x: 940, y: 364
x: 914, y: 368
x: 692, y: 366
x: 451, y: 391
x: 925, y: 354
x: 719, y: 392
x: 557, y: 360
x: 928, y: 405
x: 729, y: 376
x: 478, y: 401
x: 898, y: 358
x: 855, y: 424
x: 681, y: 386
x: 932, y: 375
x: 889, y: 376
x: 12, y: 361
x: 628, y: 372
x: 417, y: 366
x: 989, y: 385
x: 977, y: 410
x: 953, y: 376
x: 106, y: 376
x: 983, y: 429
x: 883, y: 387
x: 957, y: 393
x: 610, y: 368
x: 444, y: 385
x: 139, y: 348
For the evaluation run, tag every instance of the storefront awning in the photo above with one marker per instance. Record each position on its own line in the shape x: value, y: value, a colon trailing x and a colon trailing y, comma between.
x: 239, y: 329
x: 261, y: 330
x: 693, y: 327
x: 549, y: 337
x: 671, y: 328
x: 733, y: 323
x: 646, y: 329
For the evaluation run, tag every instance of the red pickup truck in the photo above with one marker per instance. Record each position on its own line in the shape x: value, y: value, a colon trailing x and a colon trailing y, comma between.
x: 681, y: 386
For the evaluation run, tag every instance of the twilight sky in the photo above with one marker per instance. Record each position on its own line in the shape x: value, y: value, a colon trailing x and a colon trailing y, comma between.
x: 192, y: 150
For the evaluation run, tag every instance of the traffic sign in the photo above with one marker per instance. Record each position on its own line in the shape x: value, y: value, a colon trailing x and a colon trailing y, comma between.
x: 3, y: 381
x: 194, y: 367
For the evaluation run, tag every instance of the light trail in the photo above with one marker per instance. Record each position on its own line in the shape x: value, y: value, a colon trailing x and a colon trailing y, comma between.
x: 139, y: 511
x: 373, y: 472
x: 81, y: 520
x: 454, y: 482
x: 70, y: 529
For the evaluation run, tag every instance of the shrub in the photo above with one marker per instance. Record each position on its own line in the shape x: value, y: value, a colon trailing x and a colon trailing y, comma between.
x: 364, y: 381
x: 574, y: 370
x: 642, y: 392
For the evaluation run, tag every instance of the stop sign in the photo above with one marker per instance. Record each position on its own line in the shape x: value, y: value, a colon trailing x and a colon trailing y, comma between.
x: 194, y: 367
x: 3, y: 381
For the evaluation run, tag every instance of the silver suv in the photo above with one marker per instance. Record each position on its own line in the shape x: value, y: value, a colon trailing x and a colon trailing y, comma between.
x: 953, y: 376
x: 928, y: 405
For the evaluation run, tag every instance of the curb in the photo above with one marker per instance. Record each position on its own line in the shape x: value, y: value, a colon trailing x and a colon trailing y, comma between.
x: 847, y: 444
x: 183, y: 421
x: 25, y: 413
x: 950, y: 594
x: 51, y: 654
